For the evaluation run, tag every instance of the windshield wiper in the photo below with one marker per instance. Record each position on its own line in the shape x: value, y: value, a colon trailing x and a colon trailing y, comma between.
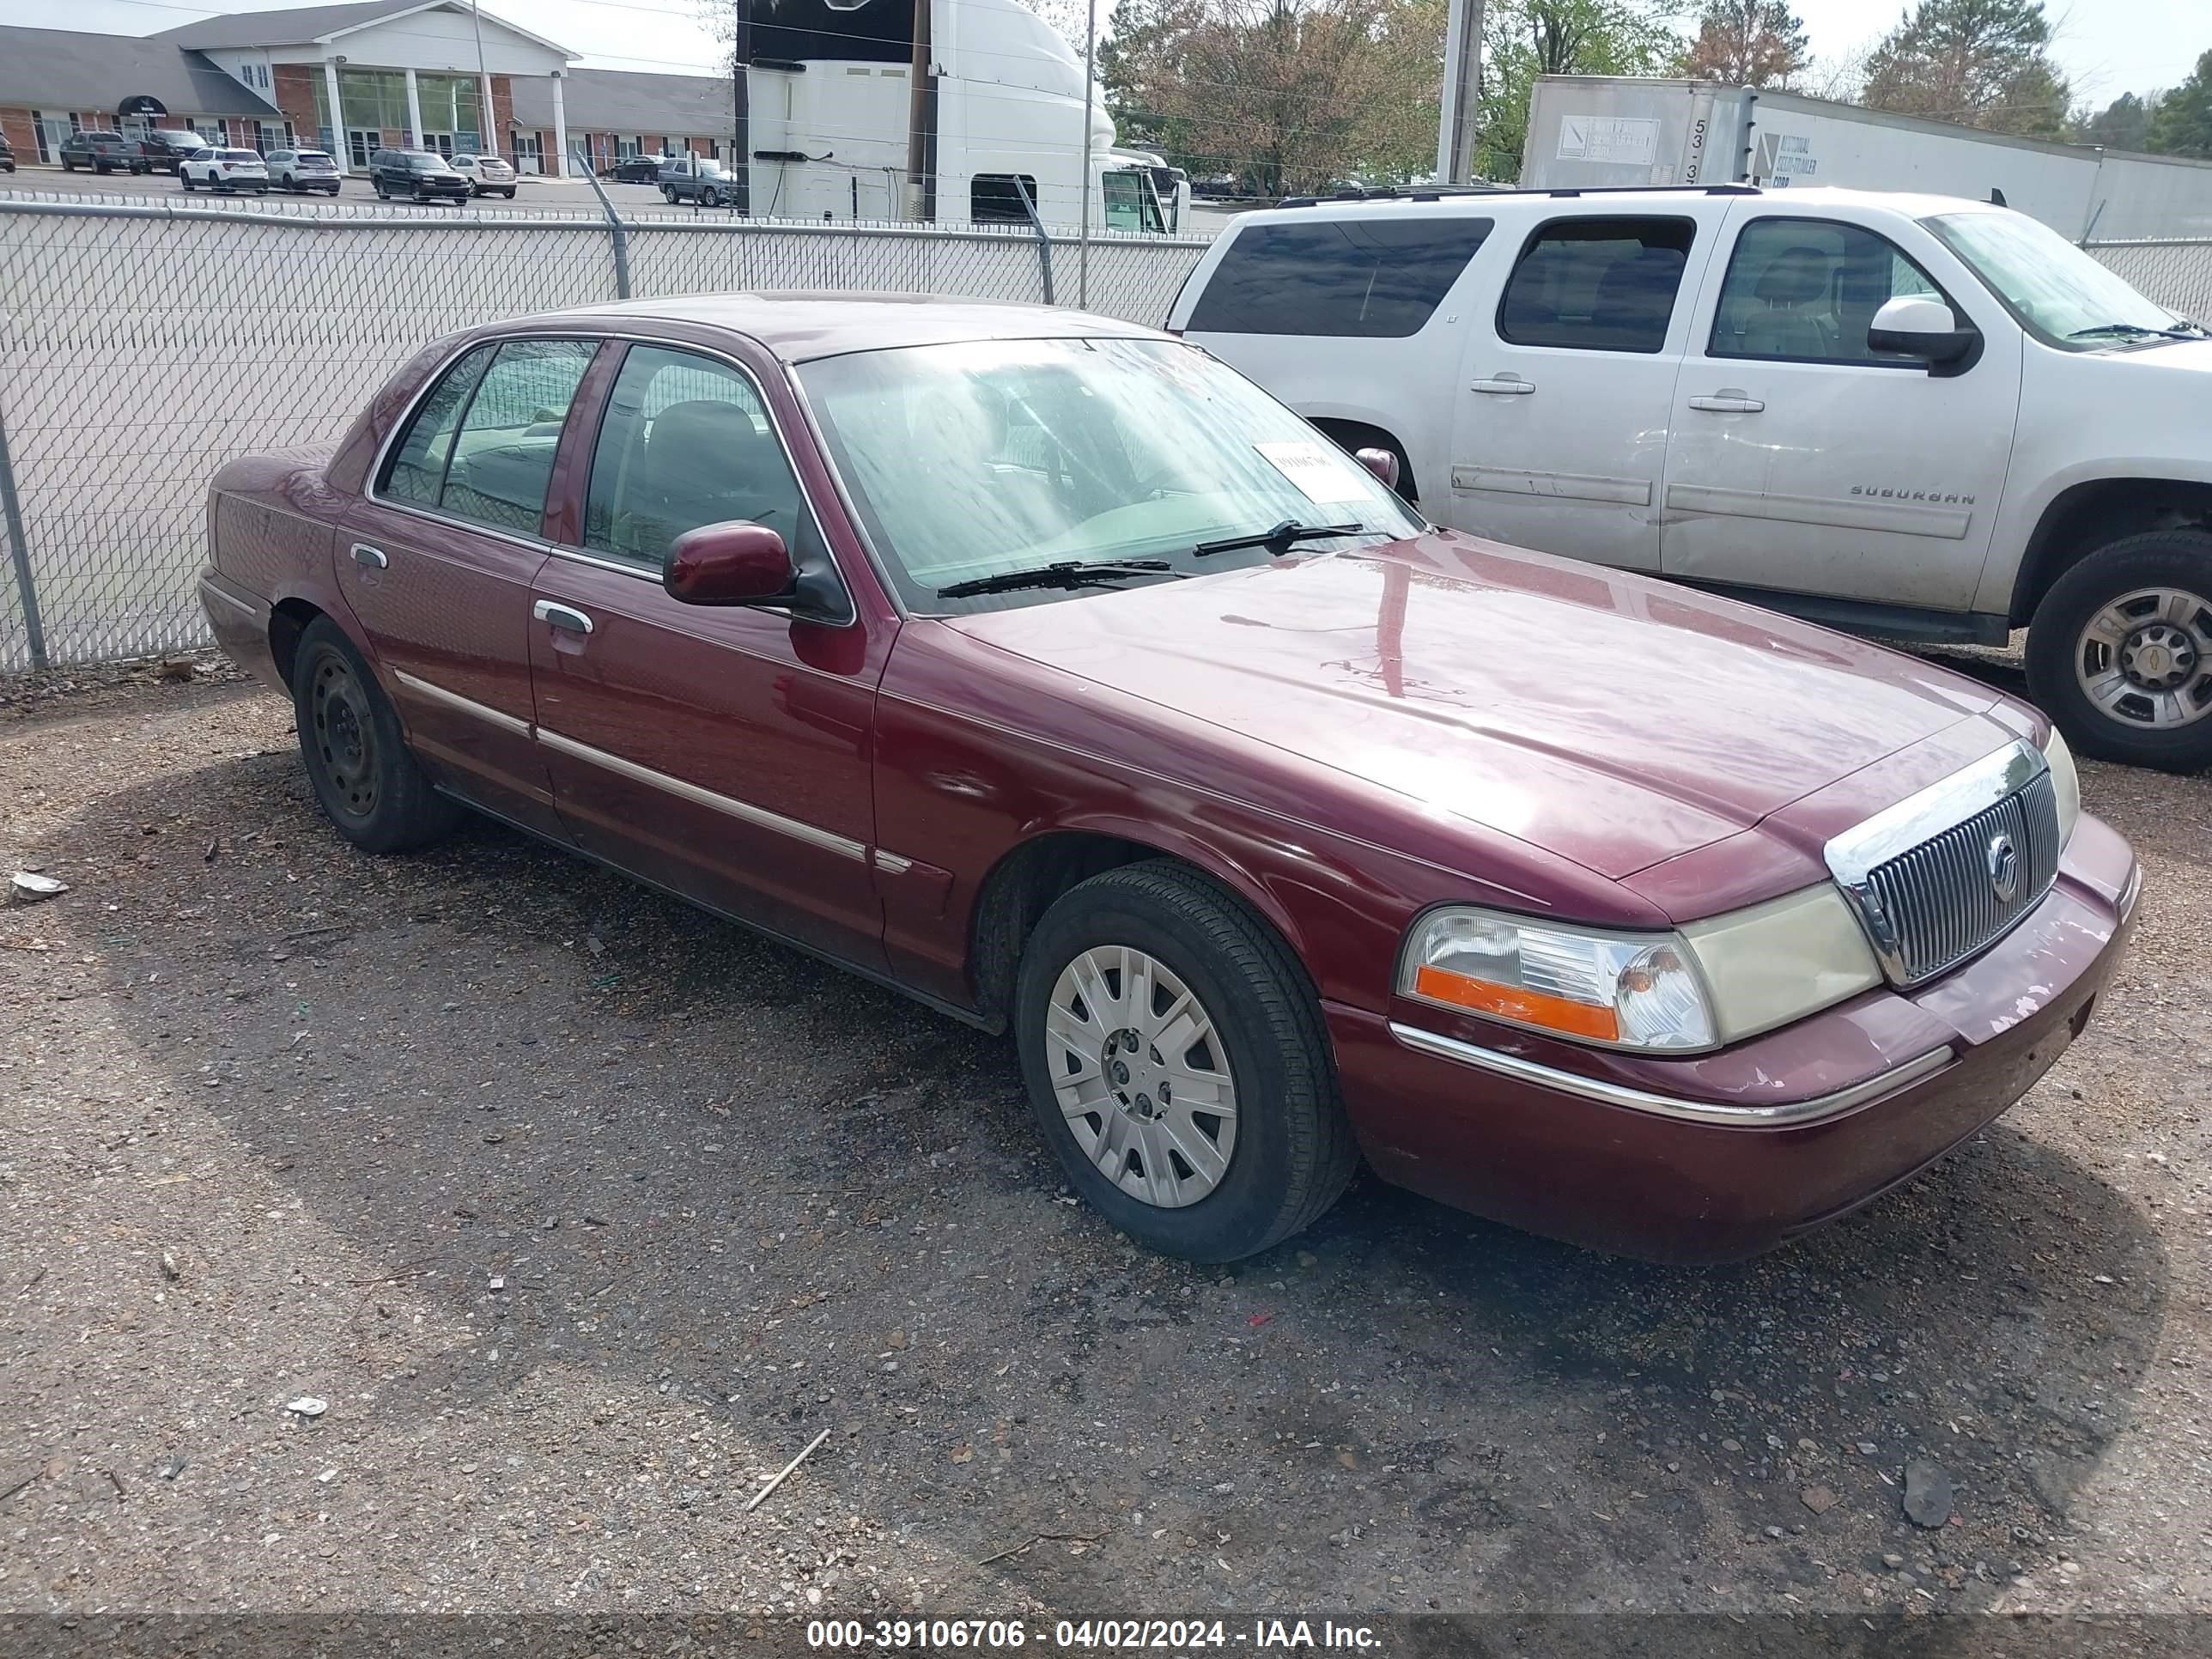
x: 1279, y: 540
x: 1068, y: 573
x: 2133, y: 331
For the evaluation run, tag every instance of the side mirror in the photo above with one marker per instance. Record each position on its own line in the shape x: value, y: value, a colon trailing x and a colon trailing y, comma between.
x: 1381, y: 463
x: 1921, y: 328
x: 734, y: 562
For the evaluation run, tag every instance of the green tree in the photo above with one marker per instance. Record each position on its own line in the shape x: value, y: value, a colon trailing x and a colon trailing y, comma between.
x: 2182, y: 124
x: 1524, y: 39
x: 1747, y: 43
x: 2123, y: 123
x: 1984, y: 63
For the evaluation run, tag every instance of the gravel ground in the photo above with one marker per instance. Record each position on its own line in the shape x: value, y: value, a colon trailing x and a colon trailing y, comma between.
x: 585, y: 1214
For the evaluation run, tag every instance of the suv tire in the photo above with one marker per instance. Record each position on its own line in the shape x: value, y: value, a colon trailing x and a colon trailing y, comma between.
x: 2133, y: 620
x: 357, y: 759
x: 1288, y: 1149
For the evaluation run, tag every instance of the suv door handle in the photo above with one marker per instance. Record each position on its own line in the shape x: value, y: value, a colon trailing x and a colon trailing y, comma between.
x: 363, y: 554
x: 1728, y: 401
x: 565, y: 618
x: 1510, y: 385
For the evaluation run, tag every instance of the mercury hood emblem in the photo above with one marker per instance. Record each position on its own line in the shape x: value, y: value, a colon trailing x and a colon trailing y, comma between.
x: 2004, y: 868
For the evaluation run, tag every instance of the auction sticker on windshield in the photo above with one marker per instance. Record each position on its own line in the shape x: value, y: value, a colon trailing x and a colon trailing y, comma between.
x: 1318, y: 475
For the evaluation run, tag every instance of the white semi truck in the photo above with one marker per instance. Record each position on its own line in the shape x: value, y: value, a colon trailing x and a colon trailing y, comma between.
x: 946, y: 110
x: 1594, y: 130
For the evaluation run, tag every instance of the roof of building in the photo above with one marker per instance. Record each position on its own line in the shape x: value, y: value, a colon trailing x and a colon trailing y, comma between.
x: 617, y: 101
x: 67, y: 69
x: 299, y: 25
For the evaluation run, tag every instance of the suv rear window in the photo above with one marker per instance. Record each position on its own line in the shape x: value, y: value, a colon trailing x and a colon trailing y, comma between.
x: 1368, y: 278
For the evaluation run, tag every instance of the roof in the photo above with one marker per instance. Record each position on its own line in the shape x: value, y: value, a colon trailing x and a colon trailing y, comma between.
x: 619, y: 100
x: 1416, y: 203
x: 66, y: 70
x: 299, y: 25
x: 800, y: 326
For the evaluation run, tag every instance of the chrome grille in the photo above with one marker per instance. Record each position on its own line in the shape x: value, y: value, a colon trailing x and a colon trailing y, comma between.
x: 1941, y: 897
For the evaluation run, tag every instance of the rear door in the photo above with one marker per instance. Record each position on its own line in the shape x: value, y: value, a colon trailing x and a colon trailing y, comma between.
x: 1560, y: 437
x: 438, y: 557
x: 1803, y: 461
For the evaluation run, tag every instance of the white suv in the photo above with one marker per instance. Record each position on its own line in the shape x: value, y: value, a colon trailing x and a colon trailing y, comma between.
x: 1911, y: 415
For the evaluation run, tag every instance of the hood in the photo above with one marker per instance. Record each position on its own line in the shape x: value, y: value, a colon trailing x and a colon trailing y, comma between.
x: 1608, y: 719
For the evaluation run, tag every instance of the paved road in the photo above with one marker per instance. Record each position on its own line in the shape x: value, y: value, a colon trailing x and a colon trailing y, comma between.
x: 532, y: 195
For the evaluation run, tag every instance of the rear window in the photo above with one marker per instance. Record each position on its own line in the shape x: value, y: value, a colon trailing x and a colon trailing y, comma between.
x: 238, y: 156
x: 1361, y: 278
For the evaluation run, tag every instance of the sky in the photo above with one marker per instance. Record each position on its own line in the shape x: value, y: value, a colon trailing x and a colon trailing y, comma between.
x: 2105, y: 47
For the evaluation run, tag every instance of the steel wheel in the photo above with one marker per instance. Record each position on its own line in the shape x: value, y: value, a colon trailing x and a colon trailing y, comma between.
x: 344, y: 728
x: 1142, y: 1076
x: 2146, y: 657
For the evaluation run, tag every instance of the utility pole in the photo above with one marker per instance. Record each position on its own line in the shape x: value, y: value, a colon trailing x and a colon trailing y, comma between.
x: 741, y: 105
x: 1090, y: 175
x: 1461, y: 113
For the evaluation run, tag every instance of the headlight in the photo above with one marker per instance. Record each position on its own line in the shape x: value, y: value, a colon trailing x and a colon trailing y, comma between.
x: 1709, y: 983
x: 2065, y: 783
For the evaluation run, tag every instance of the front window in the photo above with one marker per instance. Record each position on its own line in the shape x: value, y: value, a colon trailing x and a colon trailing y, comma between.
x: 2059, y: 293
x: 972, y: 461
x: 1806, y: 291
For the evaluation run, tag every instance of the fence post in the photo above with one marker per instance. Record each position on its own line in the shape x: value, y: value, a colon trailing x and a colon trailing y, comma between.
x: 616, y: 230
x: 19, y: 553
x: 1043, y: 240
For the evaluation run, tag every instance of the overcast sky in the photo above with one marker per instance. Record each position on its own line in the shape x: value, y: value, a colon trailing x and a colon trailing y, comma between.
x: 2105, y: 47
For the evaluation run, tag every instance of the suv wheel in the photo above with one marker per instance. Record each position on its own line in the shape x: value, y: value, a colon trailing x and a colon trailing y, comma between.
x: 366, y: 780
x: 2120, y: 651
x: 1175, y: 1057
x: 184, y: 175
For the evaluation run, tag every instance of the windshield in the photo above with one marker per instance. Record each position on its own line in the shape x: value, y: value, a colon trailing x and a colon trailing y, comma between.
x: 2060, y: 295
x: 973, y: 459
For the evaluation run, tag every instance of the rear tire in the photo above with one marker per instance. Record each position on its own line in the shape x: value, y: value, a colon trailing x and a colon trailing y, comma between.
x: 1198, y: 967
x: 357, y: 759
x: 2120, y: 652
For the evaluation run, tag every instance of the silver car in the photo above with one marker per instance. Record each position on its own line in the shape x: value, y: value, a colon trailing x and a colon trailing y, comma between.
x: 303, y: 170
x: 488, y: 175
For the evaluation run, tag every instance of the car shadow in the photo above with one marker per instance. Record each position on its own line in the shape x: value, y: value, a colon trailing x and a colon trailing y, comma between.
x: 711, y: 1171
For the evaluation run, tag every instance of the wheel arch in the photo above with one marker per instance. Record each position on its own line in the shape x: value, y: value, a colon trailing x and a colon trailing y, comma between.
x: 2094, y: 513
x: 1030, y: 877
x: 288, y: 619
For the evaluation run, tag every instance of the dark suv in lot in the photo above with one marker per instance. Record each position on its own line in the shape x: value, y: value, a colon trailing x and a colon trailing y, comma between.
x: 165, y: 150
x: 7, y: 156
x: 421, y: 173
x: 103, y: 152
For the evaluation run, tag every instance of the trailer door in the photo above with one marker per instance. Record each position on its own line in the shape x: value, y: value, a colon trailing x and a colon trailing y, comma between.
x: 1804, y: 462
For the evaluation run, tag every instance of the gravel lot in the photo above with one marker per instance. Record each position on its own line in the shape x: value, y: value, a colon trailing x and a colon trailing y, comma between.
x: 584, y: 1213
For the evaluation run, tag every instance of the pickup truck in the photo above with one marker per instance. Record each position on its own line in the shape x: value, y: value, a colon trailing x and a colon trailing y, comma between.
x: 1915, y: 416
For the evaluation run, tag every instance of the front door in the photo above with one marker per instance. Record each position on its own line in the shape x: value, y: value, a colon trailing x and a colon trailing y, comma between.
x: 361, y: 142
x: 1800, y: 459
x: 437, y: 562
x: 1559, y: 435
x: 722, y: 753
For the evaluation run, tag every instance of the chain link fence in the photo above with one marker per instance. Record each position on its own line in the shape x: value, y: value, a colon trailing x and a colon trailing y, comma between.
x: 143, y: 344
x: 2178, y: 275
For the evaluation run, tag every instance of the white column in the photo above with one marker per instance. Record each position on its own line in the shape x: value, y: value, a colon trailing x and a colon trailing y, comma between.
x: 488, y: 132
x: 560, y: 130
x: 414, y: 112
x: 337, y: 116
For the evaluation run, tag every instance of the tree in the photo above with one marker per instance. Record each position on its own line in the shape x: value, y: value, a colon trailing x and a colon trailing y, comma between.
x: 2182, y: 124
x: 1285, y: 96
x: 1524, y: 39
x: 2123, y: 123
x: 1984, y: 63
x: 1747, y: 43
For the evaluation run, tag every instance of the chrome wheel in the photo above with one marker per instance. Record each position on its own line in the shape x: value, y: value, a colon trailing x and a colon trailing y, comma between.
x: 2146, y: 657
x: 1142, y: 1076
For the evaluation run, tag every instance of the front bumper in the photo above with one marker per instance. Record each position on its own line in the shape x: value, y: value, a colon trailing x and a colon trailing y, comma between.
x: 1724, y: 1155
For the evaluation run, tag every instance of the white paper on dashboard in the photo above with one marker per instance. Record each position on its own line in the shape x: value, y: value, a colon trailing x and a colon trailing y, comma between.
x: 1318, y: 474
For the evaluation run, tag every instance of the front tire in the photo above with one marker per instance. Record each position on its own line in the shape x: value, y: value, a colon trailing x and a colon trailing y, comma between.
x: 2120, y: 652
x: 1174, y: 1053
x: 187, y: 177
x: 356, y: 757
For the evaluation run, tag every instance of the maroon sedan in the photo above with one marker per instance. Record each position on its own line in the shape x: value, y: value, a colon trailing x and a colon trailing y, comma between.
x: 1044, y: 668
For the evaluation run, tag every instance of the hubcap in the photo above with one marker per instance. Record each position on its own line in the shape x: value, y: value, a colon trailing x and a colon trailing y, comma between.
x: 345, y: 735
x: 1142, y: 1076
x: 2146, y: 659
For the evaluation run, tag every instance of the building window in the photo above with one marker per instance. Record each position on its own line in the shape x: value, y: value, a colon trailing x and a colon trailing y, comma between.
x: 625, y: 145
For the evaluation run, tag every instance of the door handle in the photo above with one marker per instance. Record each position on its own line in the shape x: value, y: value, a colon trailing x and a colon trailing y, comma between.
x: 1508, y: 385
x: 372, y: 558
x: 565, y: 618
x: 1728, y: 401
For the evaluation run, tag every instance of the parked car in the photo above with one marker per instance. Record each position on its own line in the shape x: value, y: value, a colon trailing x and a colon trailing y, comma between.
x: 488, y: 175
x: 636, y: 169
x: 699, y: 178
x: 1041, y: 666
x: 1911, y: 415
x: 103, y: 152
x: 165, y: 150
x: 421, y: 173
x: 7, y: 156
x: 301, y: 171
x: 228, y: 170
